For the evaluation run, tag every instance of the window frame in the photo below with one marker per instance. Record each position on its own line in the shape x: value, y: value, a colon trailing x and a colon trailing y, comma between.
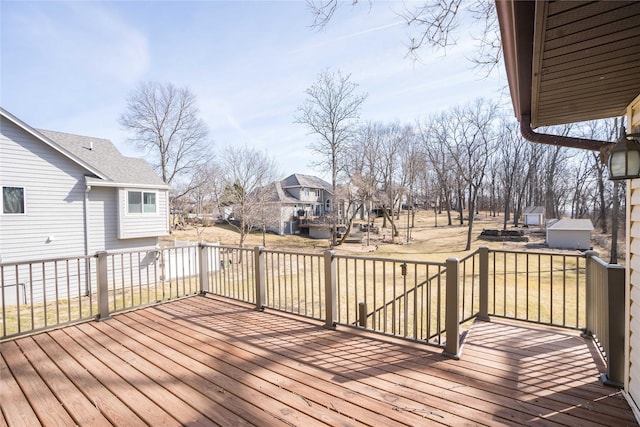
x: 143, y: 205
x: 24, y: 200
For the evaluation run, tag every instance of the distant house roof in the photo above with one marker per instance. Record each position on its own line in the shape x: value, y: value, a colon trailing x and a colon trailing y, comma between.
x: 534, y: 210
x: 571, y: 224
x: 275, y: 193
x: 102, y: 155
x: 299, y: 180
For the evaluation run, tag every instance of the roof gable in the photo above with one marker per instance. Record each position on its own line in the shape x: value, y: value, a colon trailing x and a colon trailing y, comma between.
x: 104, y: 156
x: 28, y: 129
x: 298, y: 180
x: 98, y: 156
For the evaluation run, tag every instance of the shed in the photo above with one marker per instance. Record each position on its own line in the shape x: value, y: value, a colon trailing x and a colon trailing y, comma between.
x: 569, y: 233
x: 534, y: 215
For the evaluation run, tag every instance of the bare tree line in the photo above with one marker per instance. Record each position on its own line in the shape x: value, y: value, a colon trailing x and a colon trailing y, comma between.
x: 472, y: 158
x: 461, y: 161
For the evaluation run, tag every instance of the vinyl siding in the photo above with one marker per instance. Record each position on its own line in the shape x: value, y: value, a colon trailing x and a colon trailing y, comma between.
x: 138, y: 225
x: 103, y: 223
x: 634, y: 300
x: 568, y: 239
x: 632, y: 385
x: 53, y: 222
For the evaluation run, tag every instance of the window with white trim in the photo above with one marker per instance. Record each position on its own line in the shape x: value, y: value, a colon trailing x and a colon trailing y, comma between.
x: 13, y: 200
x: 141, y: 202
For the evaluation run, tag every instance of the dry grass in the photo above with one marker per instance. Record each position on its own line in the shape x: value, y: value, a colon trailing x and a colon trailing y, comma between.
x: 427, y: 243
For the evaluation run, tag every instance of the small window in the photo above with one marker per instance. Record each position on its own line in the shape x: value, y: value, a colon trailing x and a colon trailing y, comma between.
x: 306, y: 191
x: 141, y: 202
x: 149, y: 202
x: 13, y: 200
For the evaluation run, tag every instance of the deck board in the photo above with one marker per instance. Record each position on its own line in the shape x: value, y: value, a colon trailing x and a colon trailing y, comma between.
x: 212, y: 361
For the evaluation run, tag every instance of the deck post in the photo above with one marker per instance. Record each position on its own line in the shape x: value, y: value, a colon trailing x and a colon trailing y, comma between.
x: 260, y: 277
x: 330, y: 280
x: 590, y: 299
x: 203, y: 264
x: 103, y: 286
x: 362, y: 314
x: 452, y: 325
x: 483, y: 313
x: 616, y: 339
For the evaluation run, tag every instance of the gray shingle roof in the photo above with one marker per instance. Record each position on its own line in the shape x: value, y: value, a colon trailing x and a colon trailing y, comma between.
x: 299, y: 180
x: 534, y: 210
x: 275, y: 193
x: 571, y: 224
x: 103, y: 156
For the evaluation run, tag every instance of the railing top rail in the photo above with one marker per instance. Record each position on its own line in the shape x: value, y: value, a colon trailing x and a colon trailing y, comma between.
x: 508, y: 251
x: 469, y: 256
x: 605, y: 264
x: 45, y: 260
x: 279, y: 251
x: 397, y: 260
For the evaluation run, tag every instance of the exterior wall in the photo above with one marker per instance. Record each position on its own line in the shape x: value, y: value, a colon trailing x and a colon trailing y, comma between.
x: 103, y: 223
x: 632, y: 306
x: 568, y: 239
x: 53, y: 223
x: 532, y: 219
x: 277, y: 217
x: 139, y: 225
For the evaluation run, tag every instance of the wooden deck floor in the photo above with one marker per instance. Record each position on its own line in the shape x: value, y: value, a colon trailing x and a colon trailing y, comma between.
x: 210, y: 361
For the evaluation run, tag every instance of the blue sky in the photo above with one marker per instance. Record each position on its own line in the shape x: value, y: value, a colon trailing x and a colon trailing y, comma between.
x: 69, y: 67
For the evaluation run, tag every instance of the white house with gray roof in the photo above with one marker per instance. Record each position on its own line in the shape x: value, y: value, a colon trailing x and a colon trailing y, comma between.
x: 68, y: 195
x: 294, y: 199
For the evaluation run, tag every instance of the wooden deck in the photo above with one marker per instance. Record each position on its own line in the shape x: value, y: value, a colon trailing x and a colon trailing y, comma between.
x: 211, y: 361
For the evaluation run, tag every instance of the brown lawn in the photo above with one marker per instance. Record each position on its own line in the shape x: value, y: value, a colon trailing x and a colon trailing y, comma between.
x: 427, y: 241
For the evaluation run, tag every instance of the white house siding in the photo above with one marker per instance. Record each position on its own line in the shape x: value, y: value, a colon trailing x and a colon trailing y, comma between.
x: 532, y: 219
x: 103, y: 223
x: 142, y: 225
x: 49, y: 228
x: 568, y: 239
x: 632, y: 385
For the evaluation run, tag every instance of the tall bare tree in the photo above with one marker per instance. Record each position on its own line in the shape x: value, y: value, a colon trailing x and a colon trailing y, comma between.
x: 242, y: 186
x: 165, y: 121
x: 433, y: 135
x: 511, y: 154
x: 331, y: 112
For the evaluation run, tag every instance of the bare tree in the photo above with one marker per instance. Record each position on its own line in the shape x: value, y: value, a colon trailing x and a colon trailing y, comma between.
x: 511, y: 153
x: 436, y: 24
x: 165, y: 122
x: 473, y: 141
x: 331, y: 111
x: 433, y: 135
x: 411, y: 160
x: 242, y: 185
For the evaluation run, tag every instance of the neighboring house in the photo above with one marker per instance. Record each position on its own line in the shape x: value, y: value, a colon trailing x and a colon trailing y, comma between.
x: 294, y: 201
x: 68, y: 195
x: 534, y: 216
x: 575, y: 61
x: 569, y: 233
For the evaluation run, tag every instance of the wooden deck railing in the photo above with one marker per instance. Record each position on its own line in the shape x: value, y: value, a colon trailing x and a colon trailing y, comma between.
x: 417, y: 300
x: 605, y: 301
